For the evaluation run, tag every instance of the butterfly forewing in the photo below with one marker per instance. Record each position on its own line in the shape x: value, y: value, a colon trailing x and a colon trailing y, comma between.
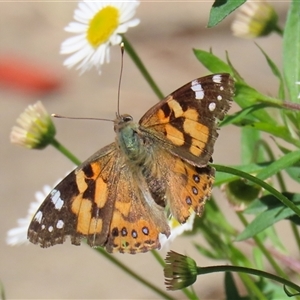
x: 186, y: 120
x: 81, y: 205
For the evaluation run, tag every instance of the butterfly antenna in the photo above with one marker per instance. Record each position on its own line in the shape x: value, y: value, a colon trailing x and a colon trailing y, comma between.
x: 79, y: 118
x: 120, y: 79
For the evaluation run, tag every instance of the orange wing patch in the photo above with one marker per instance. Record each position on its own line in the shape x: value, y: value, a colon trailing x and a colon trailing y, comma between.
x: 190, y: 187
x: 136, y: 222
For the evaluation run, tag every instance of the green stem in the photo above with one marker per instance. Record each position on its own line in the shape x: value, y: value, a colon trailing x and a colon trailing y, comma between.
x: 272, y: 158
x: 221, y: 248
x: 263, y: 249
x: 133, y: 274
x: 278, y: 30
x: 261, y: 183
x: 2, y: 292
x: 56, y: 144
x: 134, y: 56
x: 158, y: 258
x: 222, y: 268
x: 296, y: 233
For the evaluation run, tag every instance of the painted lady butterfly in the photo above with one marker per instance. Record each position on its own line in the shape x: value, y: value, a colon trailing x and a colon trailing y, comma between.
x: 119, y: 197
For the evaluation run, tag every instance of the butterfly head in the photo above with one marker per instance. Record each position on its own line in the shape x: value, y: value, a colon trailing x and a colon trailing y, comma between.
x: 121, y: 121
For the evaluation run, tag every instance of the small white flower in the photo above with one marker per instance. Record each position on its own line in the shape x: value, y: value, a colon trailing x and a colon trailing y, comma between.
x: 36, y: 128
x: 18, y: 235
x: 99, y: 25
x: 255, y: 19
x: 177, y: 229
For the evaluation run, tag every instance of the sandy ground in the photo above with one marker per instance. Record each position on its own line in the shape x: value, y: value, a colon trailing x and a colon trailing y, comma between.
x: 165, y: 38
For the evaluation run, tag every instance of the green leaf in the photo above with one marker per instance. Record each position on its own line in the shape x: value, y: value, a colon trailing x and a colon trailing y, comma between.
x: 246, y: 96
x: 277, y: 131
x: 221, y: 9
x: 294, y: 173
x: 239, y: 116
x: 275, y: 212
x: 258, y: 206
x: 231, y: 289
x: 212, y: 62
x: 241, y: 259
x: 272, y: 290
x: 276, y: 72
x: 258, y: 258
x: 249, y: 146
x: 291, y: 51
x: 274, y: 238
x: 280, y: 164
x: 206, y: 252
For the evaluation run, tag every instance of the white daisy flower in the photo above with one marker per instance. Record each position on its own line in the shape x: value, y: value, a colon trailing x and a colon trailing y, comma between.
x: 255, y: 19
x: 99, y: 25
x: 18, y: 235
x: 36, y: 129
x: 177, y: 229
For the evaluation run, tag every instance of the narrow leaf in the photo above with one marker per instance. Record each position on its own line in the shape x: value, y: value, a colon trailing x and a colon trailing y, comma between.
x: 231, y: 289
x: 269, y: 217
x: 221, y: 9
x: 280, y: 164
x: 291, y: 51
x: 249, y: 150
x: 294, y: 173
x: 246, y: 96
x: 212, y: 62
x: 276, y: 72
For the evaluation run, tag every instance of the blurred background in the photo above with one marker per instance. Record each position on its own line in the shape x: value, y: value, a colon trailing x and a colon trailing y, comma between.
x: 31, y: 34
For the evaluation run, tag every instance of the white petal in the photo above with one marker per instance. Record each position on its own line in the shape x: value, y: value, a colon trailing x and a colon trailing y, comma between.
x: 115, y: 39
x: 75, y: 27
x: 73, y: 44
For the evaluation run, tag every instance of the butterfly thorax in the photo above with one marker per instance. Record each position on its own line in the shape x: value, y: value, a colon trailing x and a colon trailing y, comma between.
x: 130, y: 140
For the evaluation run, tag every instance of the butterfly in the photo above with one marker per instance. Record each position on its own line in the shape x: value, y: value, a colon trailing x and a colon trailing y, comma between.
x: 121, y: 197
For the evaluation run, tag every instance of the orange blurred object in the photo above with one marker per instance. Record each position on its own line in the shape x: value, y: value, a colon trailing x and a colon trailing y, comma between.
x: 23, y: 75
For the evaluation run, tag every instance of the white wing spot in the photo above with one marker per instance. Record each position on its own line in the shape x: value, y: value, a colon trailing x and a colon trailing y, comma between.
x: 197, y: 88
x: 50, y: 228
x: 60, y: 224
x: 219, y: 97
x: 38, y: 217
x: 212, y: 106
x: 43, y: 226
x: 56, y: 200
x: 221, y: 88
x: 217, y: 78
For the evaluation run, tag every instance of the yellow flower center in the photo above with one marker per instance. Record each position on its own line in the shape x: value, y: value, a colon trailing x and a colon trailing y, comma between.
x: 103, y: 25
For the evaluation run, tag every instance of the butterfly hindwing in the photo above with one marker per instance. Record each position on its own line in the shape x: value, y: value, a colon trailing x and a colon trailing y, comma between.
x: 137, y: 220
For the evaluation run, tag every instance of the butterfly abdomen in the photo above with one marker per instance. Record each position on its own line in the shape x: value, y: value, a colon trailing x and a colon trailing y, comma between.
x: 138, y: 150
